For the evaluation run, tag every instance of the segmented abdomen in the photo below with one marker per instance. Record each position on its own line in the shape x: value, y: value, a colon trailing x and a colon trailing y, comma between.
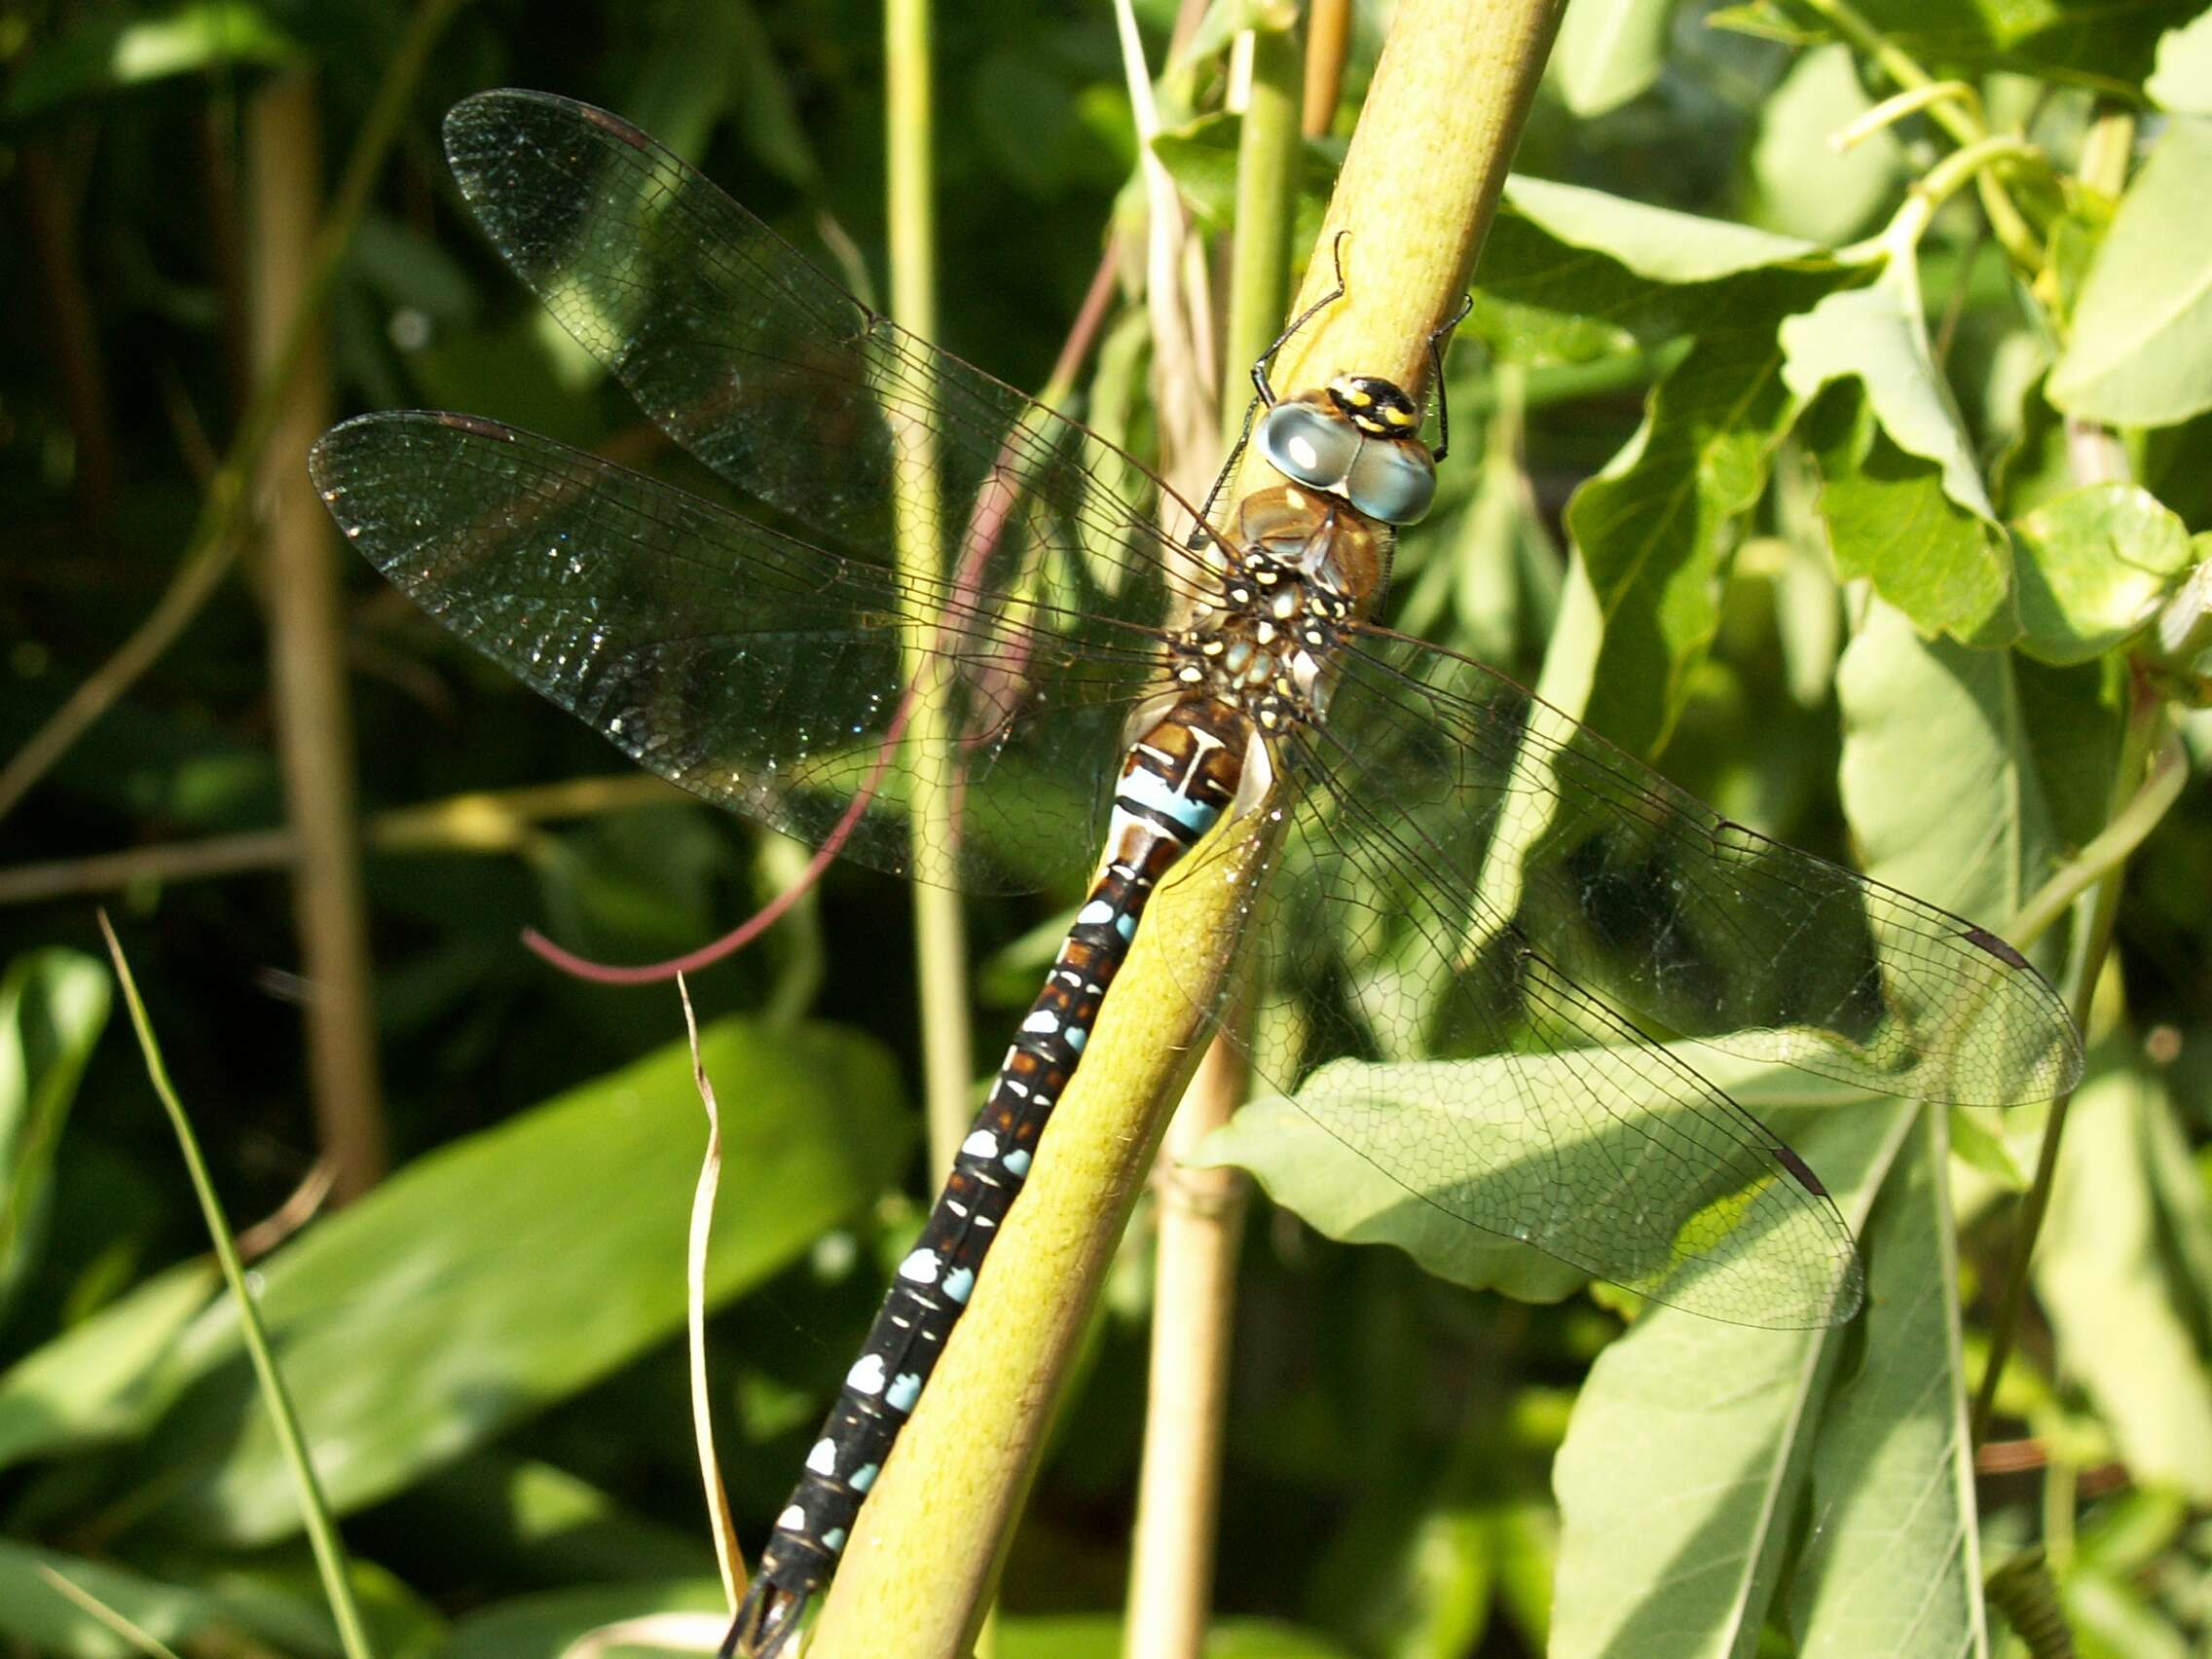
x: 1178, y: 778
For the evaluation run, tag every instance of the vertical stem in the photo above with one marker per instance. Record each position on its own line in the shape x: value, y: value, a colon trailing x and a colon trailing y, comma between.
x: 1201, y: 1211
x: 315, y: 732
x: 2145, y: 718
x: 928, y: 1543
x: 940, y: 941
x: 1328, y: 41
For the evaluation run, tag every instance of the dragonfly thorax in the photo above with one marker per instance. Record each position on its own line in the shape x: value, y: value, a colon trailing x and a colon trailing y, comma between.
x: 1305, y: 569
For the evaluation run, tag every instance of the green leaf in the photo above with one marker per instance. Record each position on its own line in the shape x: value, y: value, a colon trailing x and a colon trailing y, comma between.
x: 515, y: 1268
x: 1890, y: 522
x: 2182, y: 82
x: 2094, y: 565
x: 2124, y: 1323
x: 1893, y: 1564
x: 2141, y: 350
x: 1683, y: 1479
x: 54, y: 1005
x: 1609, y: 51
x: 2106, y: 45
x: 1941, y: 557
x: 35, y: 1614
x: 1654, y: 242
x: 1656, y: 527
x: 1801, y: 184
x: 1571, y: 275
x: 1916, y: 710
x: 108, y: 1376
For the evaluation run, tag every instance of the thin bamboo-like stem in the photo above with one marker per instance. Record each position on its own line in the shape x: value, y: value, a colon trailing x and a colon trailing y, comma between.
x: 306, y: 629
x: 1201, y: 1211
x: 226, y: 509
x: 1328, y: 41
x: 941, y: 928
x: 1450, y: 93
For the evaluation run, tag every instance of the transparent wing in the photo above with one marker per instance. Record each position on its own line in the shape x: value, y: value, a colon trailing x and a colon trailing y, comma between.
x: 788, y: 386
x: 742, y: 664
x: 1697, y: 926
x: 1494, y: 1089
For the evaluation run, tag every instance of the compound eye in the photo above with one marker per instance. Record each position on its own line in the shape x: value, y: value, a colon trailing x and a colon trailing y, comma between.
x: 1308, y: 445
x: 1394, y: 483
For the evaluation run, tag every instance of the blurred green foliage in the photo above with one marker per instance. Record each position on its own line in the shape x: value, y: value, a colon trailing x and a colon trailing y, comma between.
x: 1878, y: 547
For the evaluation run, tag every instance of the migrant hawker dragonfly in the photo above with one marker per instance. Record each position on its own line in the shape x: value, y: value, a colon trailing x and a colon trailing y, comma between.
x: 1490, y: 915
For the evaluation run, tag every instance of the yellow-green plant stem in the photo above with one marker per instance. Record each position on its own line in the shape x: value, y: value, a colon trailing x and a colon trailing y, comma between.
x: 1418, y: 191
x: 1956, y: 117
x: 1419, y: 185
x: 941, y: 929
x: 314, y: 1509
x: 1201, y: 1212
x: 2104, y: 906
x: 221, y: 525
x: 303, y: 598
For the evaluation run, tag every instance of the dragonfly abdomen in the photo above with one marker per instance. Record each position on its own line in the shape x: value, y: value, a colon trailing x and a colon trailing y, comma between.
x: 1177, y: 779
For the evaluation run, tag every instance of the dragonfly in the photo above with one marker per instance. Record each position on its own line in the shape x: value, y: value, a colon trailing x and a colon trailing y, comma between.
x: 1496, y: 929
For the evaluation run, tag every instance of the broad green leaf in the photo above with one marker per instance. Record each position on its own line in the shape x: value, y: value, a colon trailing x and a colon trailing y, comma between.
x: 39, y: 1617
x: 1801, y: 184
x: 2094, y: 565
x: 1890, y: 522
x: 1609, y: 51
x: 2106, y: 45
x: 2141, y: 350
x: 108, y: 1376
x: 1571, y: 275
x: 1878, y: 336
x: 53, y: 1006
x: 512, y: 1269
x: 2113, y: 1619
x: 1914, y: 710
x: 1658, y: 243
x: 1656, y: 527
x: 1682, y: 1484
x: 1894, y: 1565
x: 2182, y: 82
x: 2124, y: 1326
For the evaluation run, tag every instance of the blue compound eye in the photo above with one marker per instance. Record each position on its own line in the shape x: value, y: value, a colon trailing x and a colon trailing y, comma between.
x: 1393, y: 482
x: 1309, y: 446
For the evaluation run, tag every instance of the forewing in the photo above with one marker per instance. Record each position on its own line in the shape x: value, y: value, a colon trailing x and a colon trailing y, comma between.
x: 742, y: 664
x: 796, y: 392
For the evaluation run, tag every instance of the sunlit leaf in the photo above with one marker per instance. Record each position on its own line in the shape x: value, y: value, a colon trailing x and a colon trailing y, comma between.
x: 1609, y: 51
x: 2094, y: 565
x: 53, y: 1006
x: 2141, y: 350
x: 2124, y: 1327
x: 513, y: 1268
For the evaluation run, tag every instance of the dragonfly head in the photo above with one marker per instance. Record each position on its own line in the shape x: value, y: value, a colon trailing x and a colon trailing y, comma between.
x: 1356, y: 438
